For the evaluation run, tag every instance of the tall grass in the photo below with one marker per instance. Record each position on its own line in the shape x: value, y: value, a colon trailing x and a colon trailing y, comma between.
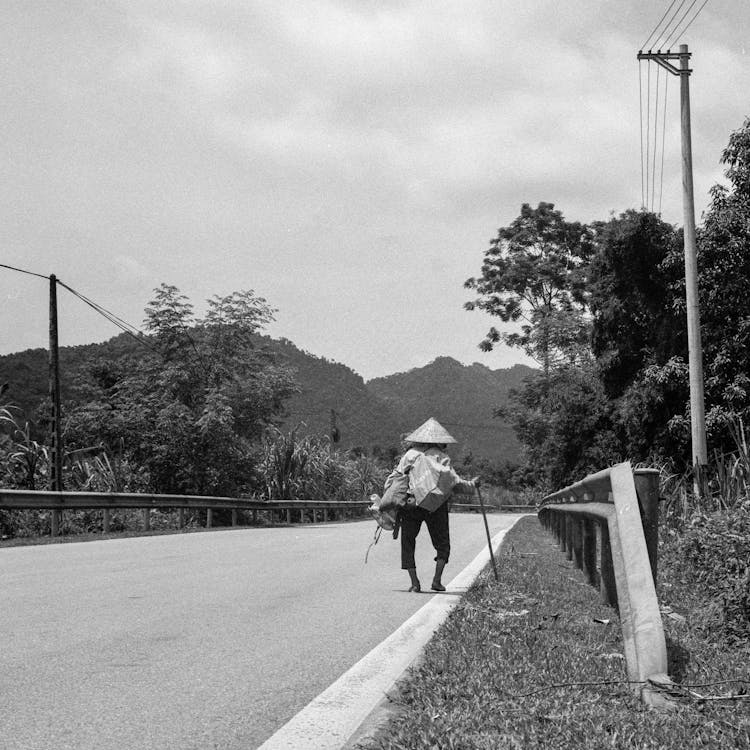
x: 705, y: 541
x: 723, y: 485
x: 297, y: 467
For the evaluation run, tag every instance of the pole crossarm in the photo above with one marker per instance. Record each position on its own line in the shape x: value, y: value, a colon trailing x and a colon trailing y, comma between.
x: 663, y: 58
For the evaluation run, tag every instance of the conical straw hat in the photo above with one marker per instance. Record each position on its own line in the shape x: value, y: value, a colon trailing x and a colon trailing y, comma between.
x: 430, y: 432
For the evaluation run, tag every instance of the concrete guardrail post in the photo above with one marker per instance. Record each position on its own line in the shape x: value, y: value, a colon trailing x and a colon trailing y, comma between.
x: 647, y: 489
x: 607, y: 585
x: 589, y: 551
x: 578, y: 543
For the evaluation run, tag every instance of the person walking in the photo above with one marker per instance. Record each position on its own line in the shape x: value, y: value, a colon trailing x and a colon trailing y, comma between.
x: 430, y: 439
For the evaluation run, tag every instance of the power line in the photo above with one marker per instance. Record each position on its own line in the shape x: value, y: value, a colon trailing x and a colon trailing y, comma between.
x: 648, y: 126
x: 664, y: 33
x: 22, y: 270
x: 668, y: 36
x: 648, y: 39
x: 640, y: 108
x: 112, y: 318
x: 131, y: 330
x: 656, y: 143
x: 705, y: 2
x: 663, y: 140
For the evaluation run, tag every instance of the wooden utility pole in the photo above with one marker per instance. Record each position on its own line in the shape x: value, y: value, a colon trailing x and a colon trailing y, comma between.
x: 55, y: 463
x: 335, y: 434
x: 695, y: 350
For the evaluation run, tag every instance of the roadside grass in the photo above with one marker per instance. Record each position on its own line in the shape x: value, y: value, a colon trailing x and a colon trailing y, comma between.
x: 535, y: 661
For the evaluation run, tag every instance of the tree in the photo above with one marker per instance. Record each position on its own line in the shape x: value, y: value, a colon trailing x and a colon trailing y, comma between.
x: 632, y: 282
x: 192, y: 409
x: 534, y: 271
x: 563, y: 425
x: 724, y: 291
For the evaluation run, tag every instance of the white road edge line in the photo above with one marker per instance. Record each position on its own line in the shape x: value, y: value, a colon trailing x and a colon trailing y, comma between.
x: 329, y: 720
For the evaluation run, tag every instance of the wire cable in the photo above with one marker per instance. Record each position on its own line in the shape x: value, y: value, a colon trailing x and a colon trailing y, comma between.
x: 648, y: 39
x: 656, y: 142
x: 670, y: 35
x: 118, y: 322
x: 640, y: 109
x: 665, y: 31
x: 648, y: 126
x: 663, y: 140
x: 682, y: 31
x: 22, y: 270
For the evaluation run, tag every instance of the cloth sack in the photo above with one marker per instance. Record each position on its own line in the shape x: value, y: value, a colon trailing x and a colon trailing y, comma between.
x: 396, y: 491
x: 431, y: 481
x: 387, y: 518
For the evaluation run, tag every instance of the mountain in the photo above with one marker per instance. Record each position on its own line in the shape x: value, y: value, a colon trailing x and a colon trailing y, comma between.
x: 373, y: 414
x: 362, y: 419
x: 462, y: 398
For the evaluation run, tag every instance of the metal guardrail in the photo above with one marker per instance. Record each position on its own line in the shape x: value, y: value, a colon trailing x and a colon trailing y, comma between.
x: 489, y: 507
x: 108, y: 501
x: 607, y: 524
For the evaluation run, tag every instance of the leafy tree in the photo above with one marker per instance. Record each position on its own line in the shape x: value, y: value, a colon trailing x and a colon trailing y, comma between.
x: 724, y: 291
x: 563, y: 423
x: 632, y: 279
x: 192, y: 409
x: 534, y: 272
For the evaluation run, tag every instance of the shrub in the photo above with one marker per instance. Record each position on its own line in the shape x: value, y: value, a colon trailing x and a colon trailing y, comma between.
x: 716, y: 550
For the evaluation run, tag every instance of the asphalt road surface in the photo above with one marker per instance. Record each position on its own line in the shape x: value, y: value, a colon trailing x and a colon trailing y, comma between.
x: 197, y: 641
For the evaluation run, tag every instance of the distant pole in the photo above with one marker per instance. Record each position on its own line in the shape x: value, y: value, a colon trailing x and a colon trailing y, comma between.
x: 55, y: 464
x: 695, y: 350
x: 335, y: 434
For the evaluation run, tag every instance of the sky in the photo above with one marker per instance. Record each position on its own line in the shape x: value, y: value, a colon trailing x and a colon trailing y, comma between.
x: 348, y: 161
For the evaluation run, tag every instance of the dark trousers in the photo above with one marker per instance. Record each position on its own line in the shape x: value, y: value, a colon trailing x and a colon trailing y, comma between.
x: 437, y: 525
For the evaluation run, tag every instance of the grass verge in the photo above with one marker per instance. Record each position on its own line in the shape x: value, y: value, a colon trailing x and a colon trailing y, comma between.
x: 535, y: 661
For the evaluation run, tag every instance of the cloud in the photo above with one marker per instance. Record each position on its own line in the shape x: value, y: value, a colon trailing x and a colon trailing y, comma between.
x: 275, y: 144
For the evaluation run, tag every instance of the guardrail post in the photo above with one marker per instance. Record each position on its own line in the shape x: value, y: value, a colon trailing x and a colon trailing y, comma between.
x: 589, y: 551
x: 288, y: 515
x: 325, y: 515
x: 209, y: 517
x: 578, y: 543
x: 180, y: 518
x: 647, y: 489
x: 568, y: 538
x: 234, y: 516
x: 607, y: 585
x: 147, y: 519
x: 105, y: 521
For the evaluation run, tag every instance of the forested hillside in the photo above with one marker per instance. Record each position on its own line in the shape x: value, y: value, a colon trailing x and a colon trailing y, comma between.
x: 461, y: 398
x: 361, y: 418
x: 370, y: 416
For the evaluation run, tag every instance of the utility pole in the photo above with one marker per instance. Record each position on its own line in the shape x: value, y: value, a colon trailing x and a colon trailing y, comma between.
x: 335, y: 434
x: 695, y: 350
x: 55, y: 464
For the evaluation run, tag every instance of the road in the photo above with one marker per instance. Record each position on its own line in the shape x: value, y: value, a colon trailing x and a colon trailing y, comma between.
x: 196, y: 641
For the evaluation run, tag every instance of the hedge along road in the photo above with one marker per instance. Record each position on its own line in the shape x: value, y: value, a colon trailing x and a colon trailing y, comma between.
x: 197, y: 641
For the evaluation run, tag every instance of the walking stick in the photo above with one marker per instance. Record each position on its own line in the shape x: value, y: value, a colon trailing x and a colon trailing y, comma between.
x: 487, y: 529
